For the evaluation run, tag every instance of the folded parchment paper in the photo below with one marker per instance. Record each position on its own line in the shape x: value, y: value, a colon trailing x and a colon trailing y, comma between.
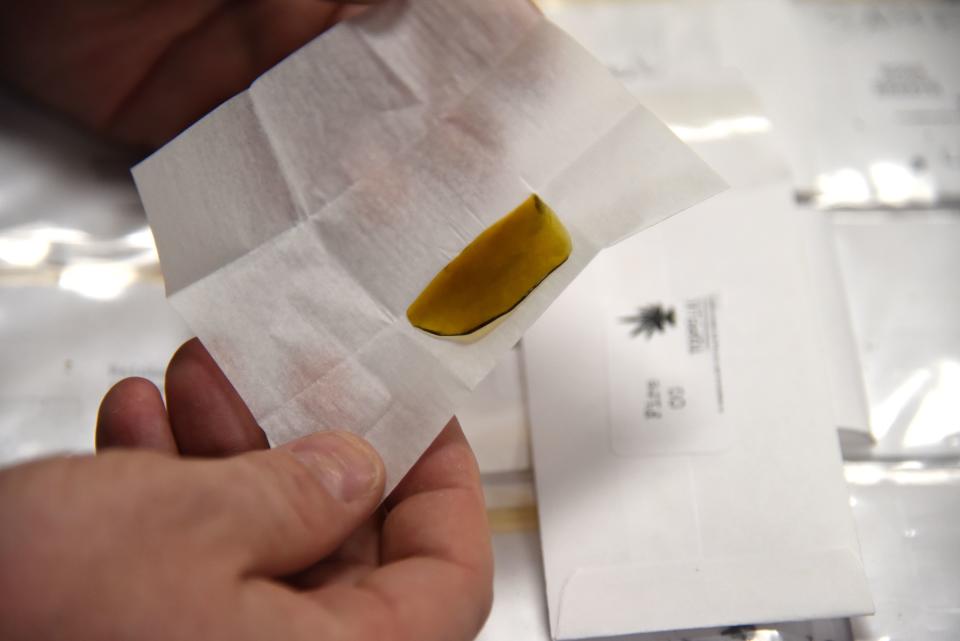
x: 297, y: 221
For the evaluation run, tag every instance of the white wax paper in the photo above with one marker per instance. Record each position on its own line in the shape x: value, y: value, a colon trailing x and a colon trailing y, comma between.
x: 298, y: 221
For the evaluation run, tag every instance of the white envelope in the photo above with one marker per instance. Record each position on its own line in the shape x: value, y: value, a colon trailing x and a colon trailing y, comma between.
x: 298, y: 221
x: 687, y: 466
x: 723, y: 121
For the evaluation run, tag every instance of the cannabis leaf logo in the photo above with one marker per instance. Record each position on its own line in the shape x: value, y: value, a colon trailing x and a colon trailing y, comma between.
x: 651, y: 319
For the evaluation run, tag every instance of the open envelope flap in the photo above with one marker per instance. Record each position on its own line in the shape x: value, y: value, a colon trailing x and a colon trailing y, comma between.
x: 309, y: 324
x: 642, y: 599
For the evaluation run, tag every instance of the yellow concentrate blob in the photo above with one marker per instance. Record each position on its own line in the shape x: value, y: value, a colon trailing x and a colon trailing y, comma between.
x: 492, y: 274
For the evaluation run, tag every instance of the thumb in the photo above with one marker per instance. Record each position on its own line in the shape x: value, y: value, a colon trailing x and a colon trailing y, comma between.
x: 284, y: 509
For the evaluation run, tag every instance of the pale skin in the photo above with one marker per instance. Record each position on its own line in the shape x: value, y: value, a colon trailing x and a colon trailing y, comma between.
x: 185, y: 526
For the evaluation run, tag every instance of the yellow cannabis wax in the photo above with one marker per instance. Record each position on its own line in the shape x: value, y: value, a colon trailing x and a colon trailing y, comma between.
x: 496, y: 271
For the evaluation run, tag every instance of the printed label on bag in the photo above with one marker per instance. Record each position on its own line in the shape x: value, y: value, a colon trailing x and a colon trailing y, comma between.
x: 665, y: 384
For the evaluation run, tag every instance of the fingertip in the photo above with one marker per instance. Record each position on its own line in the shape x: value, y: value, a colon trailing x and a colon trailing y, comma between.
x: 189, y: 355
x: 207, y: 415
x: 132, y: 415
x: 444, y: 490
x: 297, y: 503
x: 435, y: 536
x: 348, y: 467
x: 449, y: 463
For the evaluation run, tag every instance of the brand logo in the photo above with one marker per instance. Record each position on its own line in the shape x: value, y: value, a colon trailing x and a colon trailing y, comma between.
x: 650, y: 320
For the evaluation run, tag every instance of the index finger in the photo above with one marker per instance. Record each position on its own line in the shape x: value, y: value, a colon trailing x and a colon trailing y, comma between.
x: 207, y: 415
x: 436, y: 581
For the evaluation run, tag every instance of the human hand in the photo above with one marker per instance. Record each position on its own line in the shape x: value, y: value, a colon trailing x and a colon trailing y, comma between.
x: 143, y: 70
x: 138, y: 543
